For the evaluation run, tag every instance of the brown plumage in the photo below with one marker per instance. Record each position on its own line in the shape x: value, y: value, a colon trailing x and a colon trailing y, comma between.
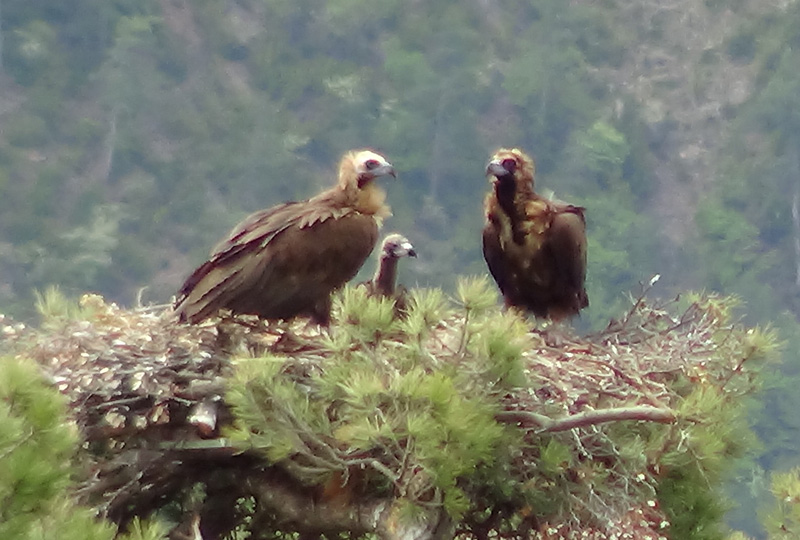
x: 535, y: 247
x: 286, y: 260
x: 384, y: 282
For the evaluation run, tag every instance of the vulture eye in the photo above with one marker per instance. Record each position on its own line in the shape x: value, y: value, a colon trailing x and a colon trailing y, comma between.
x: 371, y: 164
x: 510, y: 165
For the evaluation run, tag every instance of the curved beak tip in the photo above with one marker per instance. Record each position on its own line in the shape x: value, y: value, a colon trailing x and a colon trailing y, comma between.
x: 494, y: 168
x: 387, y: 169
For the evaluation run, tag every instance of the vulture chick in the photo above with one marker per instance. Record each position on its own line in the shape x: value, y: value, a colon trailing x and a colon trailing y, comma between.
x: 535, y: 247
x: 395, y: 247
x: 286, y: 260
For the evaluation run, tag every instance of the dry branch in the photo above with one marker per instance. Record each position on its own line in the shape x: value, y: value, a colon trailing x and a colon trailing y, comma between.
x: 544, y: 424
x: 148, y: 396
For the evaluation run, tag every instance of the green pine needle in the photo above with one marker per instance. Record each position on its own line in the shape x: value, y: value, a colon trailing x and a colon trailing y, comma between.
x: 476, y: 294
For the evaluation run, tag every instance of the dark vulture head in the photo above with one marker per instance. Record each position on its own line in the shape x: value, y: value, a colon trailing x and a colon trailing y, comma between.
x: 511, y: 168
x: 397, y: 246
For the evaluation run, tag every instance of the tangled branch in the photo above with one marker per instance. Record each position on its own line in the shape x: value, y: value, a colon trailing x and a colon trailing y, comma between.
x: 150, y: 398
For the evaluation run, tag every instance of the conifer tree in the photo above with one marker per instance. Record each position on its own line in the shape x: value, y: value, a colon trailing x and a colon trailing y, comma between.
x: 36, y: 449
x: 456, y: 419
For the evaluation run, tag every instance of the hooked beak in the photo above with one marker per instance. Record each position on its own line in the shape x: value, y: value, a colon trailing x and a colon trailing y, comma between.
x: 495, y: 168
x: 398, y: 251
x: 384, y: 170
x: 405, y: 250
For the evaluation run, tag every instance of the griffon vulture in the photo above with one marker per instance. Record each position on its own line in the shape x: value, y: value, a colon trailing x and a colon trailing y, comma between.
x: 395, y: 247
x: 286, y: 260
x: 535, y: 247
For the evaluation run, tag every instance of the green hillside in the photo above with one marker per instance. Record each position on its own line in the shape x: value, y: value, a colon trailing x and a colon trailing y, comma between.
x: 134, y: 134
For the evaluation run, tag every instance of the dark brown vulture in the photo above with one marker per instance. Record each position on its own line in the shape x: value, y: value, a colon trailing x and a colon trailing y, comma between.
x: 395, y: 247
x: 286, y: 260
x: 535, y: 247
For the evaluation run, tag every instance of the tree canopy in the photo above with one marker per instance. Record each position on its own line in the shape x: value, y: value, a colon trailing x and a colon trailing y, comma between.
x: 134, y: 134
x: 454, y: 420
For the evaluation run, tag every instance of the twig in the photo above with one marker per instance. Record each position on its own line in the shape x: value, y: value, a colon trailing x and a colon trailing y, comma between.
x: 462, y: 343
x: 588, y: 418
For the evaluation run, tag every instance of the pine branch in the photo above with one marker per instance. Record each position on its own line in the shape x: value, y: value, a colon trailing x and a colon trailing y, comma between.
x: 435, y: 452
x: 544, y: 424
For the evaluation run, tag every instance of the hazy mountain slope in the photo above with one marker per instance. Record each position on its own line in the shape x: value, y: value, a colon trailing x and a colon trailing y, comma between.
x: 134, y: 139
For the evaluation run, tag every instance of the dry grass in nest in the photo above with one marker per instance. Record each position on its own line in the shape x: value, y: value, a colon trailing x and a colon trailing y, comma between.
x: 137, y: 379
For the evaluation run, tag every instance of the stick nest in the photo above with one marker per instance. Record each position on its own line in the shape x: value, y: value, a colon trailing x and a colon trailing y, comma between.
x: 588, y: 424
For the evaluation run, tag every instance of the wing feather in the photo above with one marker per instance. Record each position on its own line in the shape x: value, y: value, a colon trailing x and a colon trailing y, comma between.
x: 280, y: 262
x: 495, y: 259
x: 568, y: 246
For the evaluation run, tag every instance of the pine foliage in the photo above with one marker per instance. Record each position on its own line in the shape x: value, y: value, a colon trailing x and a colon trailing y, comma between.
x: 36, y: 449
x: 458, y: 418
x: 781, y: 518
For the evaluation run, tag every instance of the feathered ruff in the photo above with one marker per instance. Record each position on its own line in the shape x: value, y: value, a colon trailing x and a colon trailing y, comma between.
x: 285, y: 261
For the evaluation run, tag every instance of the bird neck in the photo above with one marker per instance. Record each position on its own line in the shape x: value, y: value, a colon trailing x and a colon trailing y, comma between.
x: 370, y: 200
x: 506, y: 190
x: 367, y: 200
x: 512, y: 197
x: 386, y: 276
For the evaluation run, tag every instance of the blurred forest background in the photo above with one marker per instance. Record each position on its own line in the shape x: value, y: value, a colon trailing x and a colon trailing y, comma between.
x: 135, y: 133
